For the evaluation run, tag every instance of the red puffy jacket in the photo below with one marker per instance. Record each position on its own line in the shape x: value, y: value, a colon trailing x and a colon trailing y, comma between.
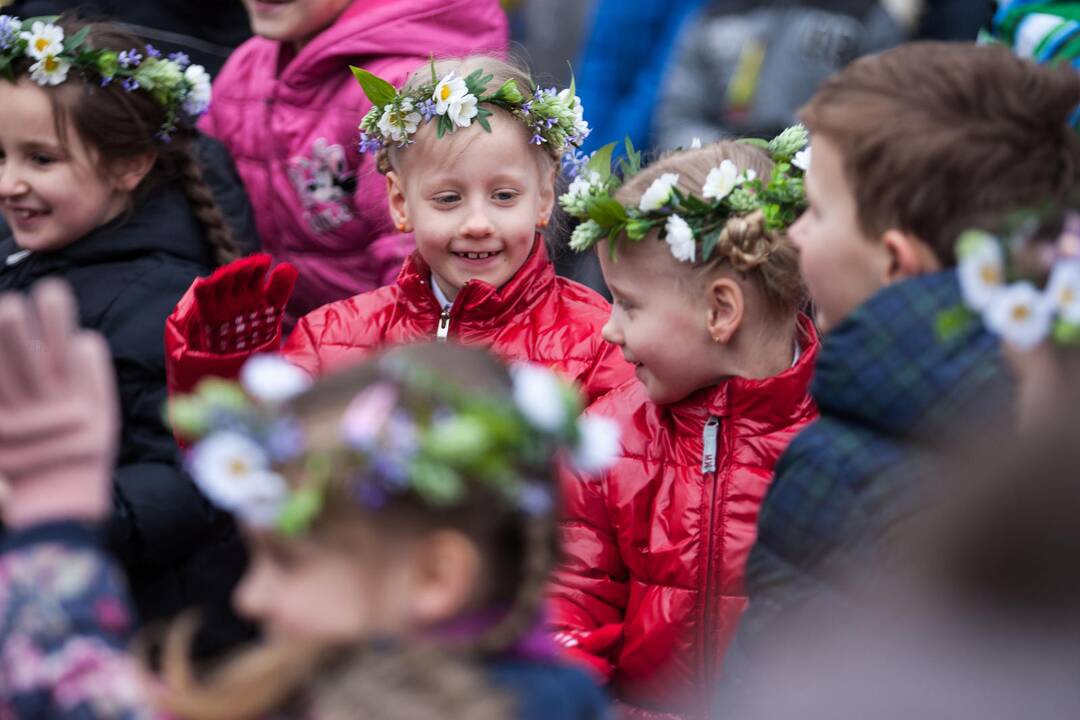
x: 651, y: 585
x: 535, y: 316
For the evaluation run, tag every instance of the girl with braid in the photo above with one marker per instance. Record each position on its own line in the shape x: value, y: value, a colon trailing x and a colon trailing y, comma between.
x: 400, y: 517
x: 99, y: 185
x: 707, y: 293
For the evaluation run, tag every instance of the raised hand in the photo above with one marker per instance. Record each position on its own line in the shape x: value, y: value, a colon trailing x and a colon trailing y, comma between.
x: 58, y: 410
x: 238, y: 308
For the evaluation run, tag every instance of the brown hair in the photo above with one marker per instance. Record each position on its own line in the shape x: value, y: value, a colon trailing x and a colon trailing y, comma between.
x: 501, y: 70
x: 120, y: 124
x: 766, y: 257
x: 934, y: 136
x: 518, y: 549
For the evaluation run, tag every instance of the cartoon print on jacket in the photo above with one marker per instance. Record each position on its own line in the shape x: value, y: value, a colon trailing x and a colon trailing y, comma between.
x: 325, y: 185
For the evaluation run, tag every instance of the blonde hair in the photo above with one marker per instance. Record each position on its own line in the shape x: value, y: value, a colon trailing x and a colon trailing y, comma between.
x: 519, y: 550
x: 766, y: 257
x: 501, y: 70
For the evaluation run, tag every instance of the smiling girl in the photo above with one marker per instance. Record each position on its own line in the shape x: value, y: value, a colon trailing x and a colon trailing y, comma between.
x: 286, y: 106
x: 100, y: 186
x: 470, y: 152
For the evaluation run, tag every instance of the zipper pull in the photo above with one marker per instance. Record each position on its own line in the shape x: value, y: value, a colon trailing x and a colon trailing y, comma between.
x: 708, y: 445
x: 444, y: 325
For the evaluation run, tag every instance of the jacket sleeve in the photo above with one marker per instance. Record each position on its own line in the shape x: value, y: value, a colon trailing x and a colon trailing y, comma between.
x: 685, y: 109
x: 64, y: 624
x: 590, y: 587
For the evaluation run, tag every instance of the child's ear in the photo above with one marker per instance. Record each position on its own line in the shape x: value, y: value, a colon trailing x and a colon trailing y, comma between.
x: 908, y: 256
x: 399, y: 208
x: 725, y: 305
x: 129, y: 172
x: 446, y: 574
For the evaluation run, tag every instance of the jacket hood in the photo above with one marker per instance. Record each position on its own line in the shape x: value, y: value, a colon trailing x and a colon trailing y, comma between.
x: 380, y: 28
x: 897, y: 364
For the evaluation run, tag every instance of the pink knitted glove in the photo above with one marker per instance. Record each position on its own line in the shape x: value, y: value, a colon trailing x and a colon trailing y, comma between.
x: 58, y: 411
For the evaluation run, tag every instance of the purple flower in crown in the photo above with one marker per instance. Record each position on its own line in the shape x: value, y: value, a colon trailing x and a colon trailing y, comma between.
x: 552, y: 122
x: 106, y: 81
x: 9, y: 31
x: 369, y: 144
x: 427, y: 109
x: 527, y: 108
x: 180, y: 59
x: 131, y: 84
x: 284, y: 440
x: 368, y: 492
x: 365, y: 419
x: 129, y: 59
x: 537, y: 139
x: 152, y: 52
x: 535, y: 500
x: 572, y: 163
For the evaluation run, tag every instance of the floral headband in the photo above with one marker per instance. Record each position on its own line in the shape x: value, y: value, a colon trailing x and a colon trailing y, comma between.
x: 1011, y: 305
x: 181, y: 88
x: 432, y: 450
x: 686, y: 222
x: 554, y: 118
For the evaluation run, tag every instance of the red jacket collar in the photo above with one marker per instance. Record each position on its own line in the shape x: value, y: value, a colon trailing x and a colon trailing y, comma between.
x: 770, y: 403
x: 479, y: 303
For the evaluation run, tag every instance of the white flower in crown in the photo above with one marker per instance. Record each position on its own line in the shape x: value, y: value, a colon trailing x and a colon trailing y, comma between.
x: 585, y: 235
x: 462, y: 113
x: 50, y: 70
x: 581, y: 187
x: 233, y: 472
x: 540, y: 396
x: 598, y: 445
x: 1063, y: 290
x: 802, y: 159
x: 680, y: 239
x: 44, y: 40
x: 272, y: 379
x: 721, y: 181
x: 981, y: 269
x: 748, y: 176
x: 197, y: 101
x: 573, y: 104
x: 449, y: 91
x: 399, y: 122
x: 659, y: 193
x: 1020, y: 315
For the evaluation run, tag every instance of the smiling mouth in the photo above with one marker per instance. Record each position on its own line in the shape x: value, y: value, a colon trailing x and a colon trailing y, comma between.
x: 476, y: 255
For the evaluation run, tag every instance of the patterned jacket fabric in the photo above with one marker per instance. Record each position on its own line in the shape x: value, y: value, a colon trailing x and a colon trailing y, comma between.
x: 893, y: 379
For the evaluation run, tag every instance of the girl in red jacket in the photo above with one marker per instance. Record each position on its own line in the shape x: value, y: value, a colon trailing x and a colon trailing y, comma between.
x: 707, y: 292
x: 470, y: 151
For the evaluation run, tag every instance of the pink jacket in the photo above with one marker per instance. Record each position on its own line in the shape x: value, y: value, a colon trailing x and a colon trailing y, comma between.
x: 291, y: 126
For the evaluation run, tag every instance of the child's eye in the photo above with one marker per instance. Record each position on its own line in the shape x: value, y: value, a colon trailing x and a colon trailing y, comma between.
x: 447, y: 198
x: 504, y: 195
x: 42, y: 159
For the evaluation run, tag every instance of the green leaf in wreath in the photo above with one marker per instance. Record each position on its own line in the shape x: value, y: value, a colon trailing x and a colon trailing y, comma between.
x: 607, y: 212
x: 378, y: 91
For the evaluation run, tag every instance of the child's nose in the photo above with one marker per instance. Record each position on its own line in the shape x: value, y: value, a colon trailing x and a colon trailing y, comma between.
x: 11, y: 184
x: 477, y: 224
x: 611, y: 331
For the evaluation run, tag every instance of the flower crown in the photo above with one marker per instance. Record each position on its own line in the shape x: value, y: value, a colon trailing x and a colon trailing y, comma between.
x: 181, y: 88
x: 685, y: 221
x: 554, y: 118
x: 432, y: 449
x: 996, y: 287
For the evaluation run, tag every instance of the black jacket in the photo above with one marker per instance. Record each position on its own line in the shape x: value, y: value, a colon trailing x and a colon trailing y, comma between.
x: 127, y: 277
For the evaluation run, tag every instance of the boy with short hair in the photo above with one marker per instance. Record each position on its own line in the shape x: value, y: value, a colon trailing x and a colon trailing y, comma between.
x: 909, y: 147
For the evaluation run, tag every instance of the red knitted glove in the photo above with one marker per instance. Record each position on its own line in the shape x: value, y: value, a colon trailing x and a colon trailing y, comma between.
x: 239, y: 308
x: 591, y: 649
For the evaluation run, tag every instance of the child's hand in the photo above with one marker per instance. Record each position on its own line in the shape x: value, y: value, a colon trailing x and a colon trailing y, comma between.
x: 58, y: 411
x: 239, y: 307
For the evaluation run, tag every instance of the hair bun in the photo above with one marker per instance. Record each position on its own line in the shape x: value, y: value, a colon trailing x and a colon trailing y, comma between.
x: 745, y: 241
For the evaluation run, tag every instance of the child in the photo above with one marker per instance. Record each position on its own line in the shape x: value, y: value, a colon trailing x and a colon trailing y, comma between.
x: 397, y: 511
x: 286, y: 107
x: 475, y: 196
x: 99, y: 186
x: 909, y: 148
x: 651, y: 587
